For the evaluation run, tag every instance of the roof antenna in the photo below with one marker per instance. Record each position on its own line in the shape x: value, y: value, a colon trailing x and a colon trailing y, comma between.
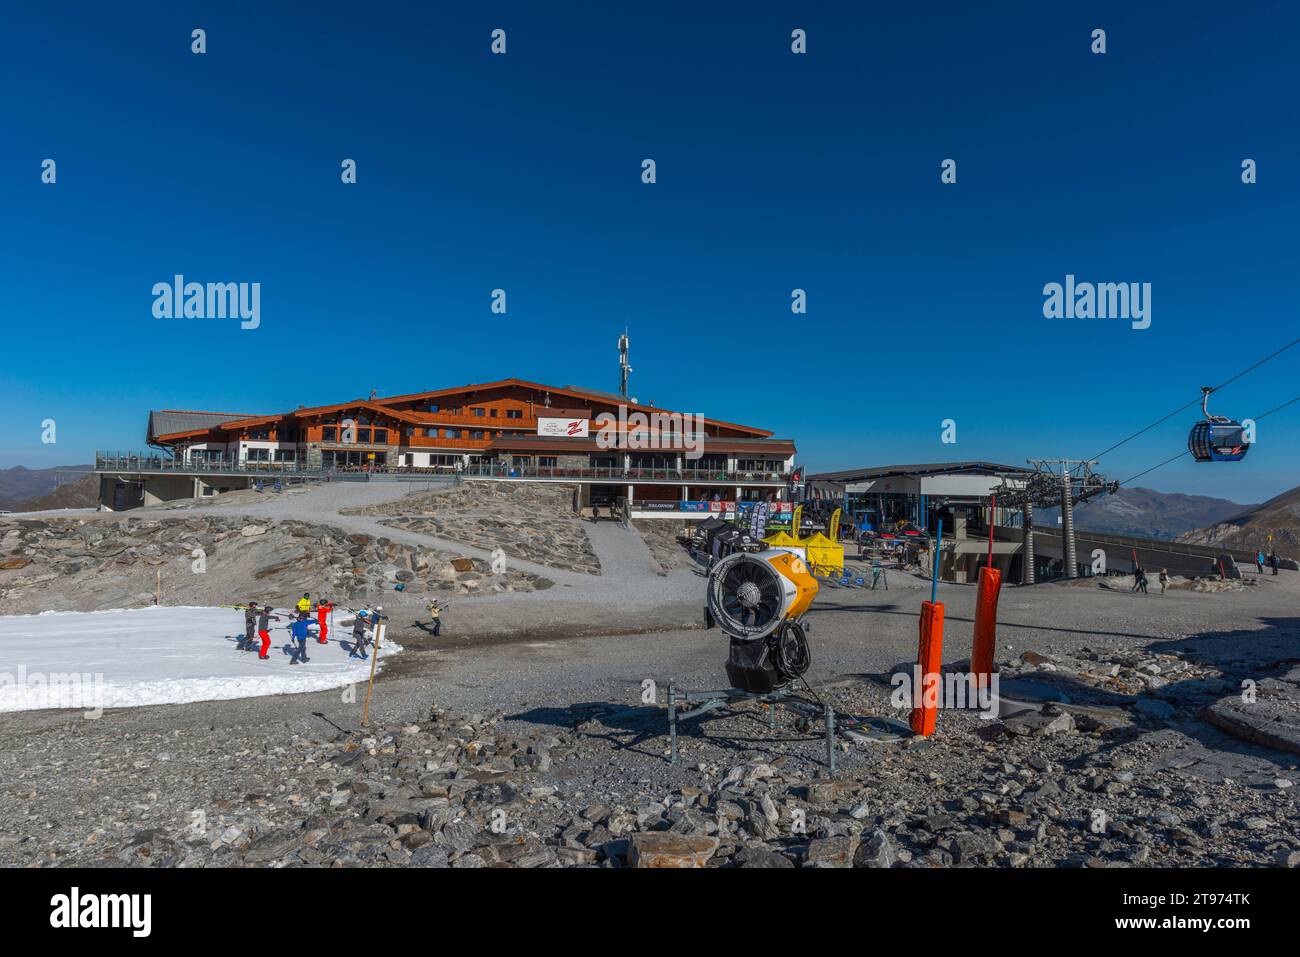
x: 623, y: 368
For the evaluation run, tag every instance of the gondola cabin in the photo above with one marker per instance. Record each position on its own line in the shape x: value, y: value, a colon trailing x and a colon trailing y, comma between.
x: 1216, y: 438
x: 1217, y: 442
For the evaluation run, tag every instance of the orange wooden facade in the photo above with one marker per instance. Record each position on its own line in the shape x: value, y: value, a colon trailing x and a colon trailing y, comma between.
x: 487, y: 419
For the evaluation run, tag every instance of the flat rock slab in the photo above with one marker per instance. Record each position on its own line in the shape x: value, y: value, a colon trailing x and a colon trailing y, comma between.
x: 1272, y: 721
x: 1207, y: 754
x: 665, y: 849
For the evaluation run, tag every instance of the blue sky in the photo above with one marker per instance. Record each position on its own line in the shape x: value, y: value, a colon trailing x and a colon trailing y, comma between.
x: 775, y: 172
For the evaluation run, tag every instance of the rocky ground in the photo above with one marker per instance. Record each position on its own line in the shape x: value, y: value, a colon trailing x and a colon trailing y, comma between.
x: 536, y: 523
x: 1160, y: 730
x: 80, y: 564
x: 590, y: 786
x: 660, y: 536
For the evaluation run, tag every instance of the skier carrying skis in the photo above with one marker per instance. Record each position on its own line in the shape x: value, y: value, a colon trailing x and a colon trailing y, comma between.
x: 435, y: 612
x: 323, y: 610
x: 298, y: 630
x: 264, y: 618
x: 250, y: 627
x: 359, y: 630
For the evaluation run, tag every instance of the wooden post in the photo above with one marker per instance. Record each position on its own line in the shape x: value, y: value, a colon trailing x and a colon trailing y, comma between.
x: 380, y: 628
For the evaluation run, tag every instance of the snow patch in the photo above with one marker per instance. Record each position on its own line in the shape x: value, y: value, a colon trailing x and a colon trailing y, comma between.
x: 129, y: 657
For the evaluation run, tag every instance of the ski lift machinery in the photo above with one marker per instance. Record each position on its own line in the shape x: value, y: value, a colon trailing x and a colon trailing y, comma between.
x: 1216, y: 438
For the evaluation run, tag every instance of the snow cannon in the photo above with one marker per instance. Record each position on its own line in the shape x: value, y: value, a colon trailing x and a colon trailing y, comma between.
x: 759, y: 600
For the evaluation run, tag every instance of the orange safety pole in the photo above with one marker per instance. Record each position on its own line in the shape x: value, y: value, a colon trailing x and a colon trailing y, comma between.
x: 986, y: 625
x: 925, y: 699
x: 929, y: 657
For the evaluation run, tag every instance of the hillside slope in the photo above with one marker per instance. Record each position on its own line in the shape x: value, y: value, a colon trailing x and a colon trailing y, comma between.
x: 83, y: 493
x: 1250, y: 529
x: 19, y: 484
x: 1148, y: 513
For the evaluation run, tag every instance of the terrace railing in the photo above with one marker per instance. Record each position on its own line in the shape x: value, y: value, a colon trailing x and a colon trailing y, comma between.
x: 151, y: 462
x: 115, y: 461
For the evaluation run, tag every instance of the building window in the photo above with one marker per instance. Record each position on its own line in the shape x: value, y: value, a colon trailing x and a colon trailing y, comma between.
x: 258, y: 455
x: 493, y: 413
x: 286, y: 455
x: 381, y: 436
x: 547, y: 461
x: 476, y: 435
x: 479, y: 413
x: 453, y: 433
x: 363, y: 435
x: 433, y: 407
x: 514, y: 413
x: 329, y: 433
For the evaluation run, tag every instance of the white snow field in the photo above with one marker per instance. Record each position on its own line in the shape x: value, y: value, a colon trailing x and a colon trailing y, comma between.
x: 129, y: 657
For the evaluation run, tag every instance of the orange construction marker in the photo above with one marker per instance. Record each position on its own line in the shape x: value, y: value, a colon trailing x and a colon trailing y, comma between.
x: 986, y: 625
x: 925, y: 699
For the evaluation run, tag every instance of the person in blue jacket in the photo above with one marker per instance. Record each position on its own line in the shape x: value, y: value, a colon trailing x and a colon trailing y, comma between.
x: 298, y: 631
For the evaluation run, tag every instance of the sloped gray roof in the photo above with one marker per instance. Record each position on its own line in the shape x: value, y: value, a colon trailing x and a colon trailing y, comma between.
x: 168, y: 421
x: 934, y: 468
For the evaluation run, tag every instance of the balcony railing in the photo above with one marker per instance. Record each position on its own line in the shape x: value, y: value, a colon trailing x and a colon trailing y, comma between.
x: 148, y: 462
x: 110, y: 461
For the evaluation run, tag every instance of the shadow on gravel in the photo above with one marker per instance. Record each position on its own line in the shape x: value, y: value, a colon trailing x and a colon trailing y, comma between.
x: 628, y: 729
x: 1268, y: 657
x: 894, y: 610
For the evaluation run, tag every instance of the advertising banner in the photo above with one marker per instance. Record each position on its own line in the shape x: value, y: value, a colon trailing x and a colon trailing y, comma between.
x: 572, y: 428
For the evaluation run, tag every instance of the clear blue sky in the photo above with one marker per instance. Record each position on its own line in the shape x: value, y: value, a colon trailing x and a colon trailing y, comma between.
x: 775, y: 171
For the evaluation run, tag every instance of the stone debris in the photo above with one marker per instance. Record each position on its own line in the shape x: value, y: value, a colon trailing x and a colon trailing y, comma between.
x: 81, y: 564
x: 477, y: 790
x: 536, y: 523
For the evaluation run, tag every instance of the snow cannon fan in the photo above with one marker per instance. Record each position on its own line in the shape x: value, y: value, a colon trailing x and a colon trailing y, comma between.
x: 759, y: 599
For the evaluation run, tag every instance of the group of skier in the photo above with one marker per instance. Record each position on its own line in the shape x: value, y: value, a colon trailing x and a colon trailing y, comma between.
x: 258, y: 618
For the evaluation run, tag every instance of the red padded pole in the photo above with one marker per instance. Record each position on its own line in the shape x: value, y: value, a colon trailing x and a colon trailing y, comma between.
x: 925, y: 699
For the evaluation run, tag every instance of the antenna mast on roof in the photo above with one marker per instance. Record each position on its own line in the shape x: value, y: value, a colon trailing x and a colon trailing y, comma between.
x: 623, y: 368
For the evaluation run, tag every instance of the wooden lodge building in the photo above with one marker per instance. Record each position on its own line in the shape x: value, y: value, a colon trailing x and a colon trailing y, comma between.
x: 512, y: 429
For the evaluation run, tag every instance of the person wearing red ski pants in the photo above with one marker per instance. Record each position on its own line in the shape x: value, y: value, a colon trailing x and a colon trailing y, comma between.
x: 322, y: 613
x: 266, y: 643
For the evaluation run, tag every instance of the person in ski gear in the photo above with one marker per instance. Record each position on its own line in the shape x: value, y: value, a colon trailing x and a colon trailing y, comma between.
x: 435, y: 612
x: 298, y: 631
x: 250, y: 627
x: 1164, y: 580
x: 264, y: 618
x: 304, y: 603
x: 324, y: 608
x: 359, y: 629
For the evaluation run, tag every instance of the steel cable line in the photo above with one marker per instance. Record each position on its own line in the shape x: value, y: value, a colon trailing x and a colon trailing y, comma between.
x: 1226, y: 382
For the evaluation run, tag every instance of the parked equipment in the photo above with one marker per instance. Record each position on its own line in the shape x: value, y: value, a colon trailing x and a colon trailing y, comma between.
x: 759, y: 600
